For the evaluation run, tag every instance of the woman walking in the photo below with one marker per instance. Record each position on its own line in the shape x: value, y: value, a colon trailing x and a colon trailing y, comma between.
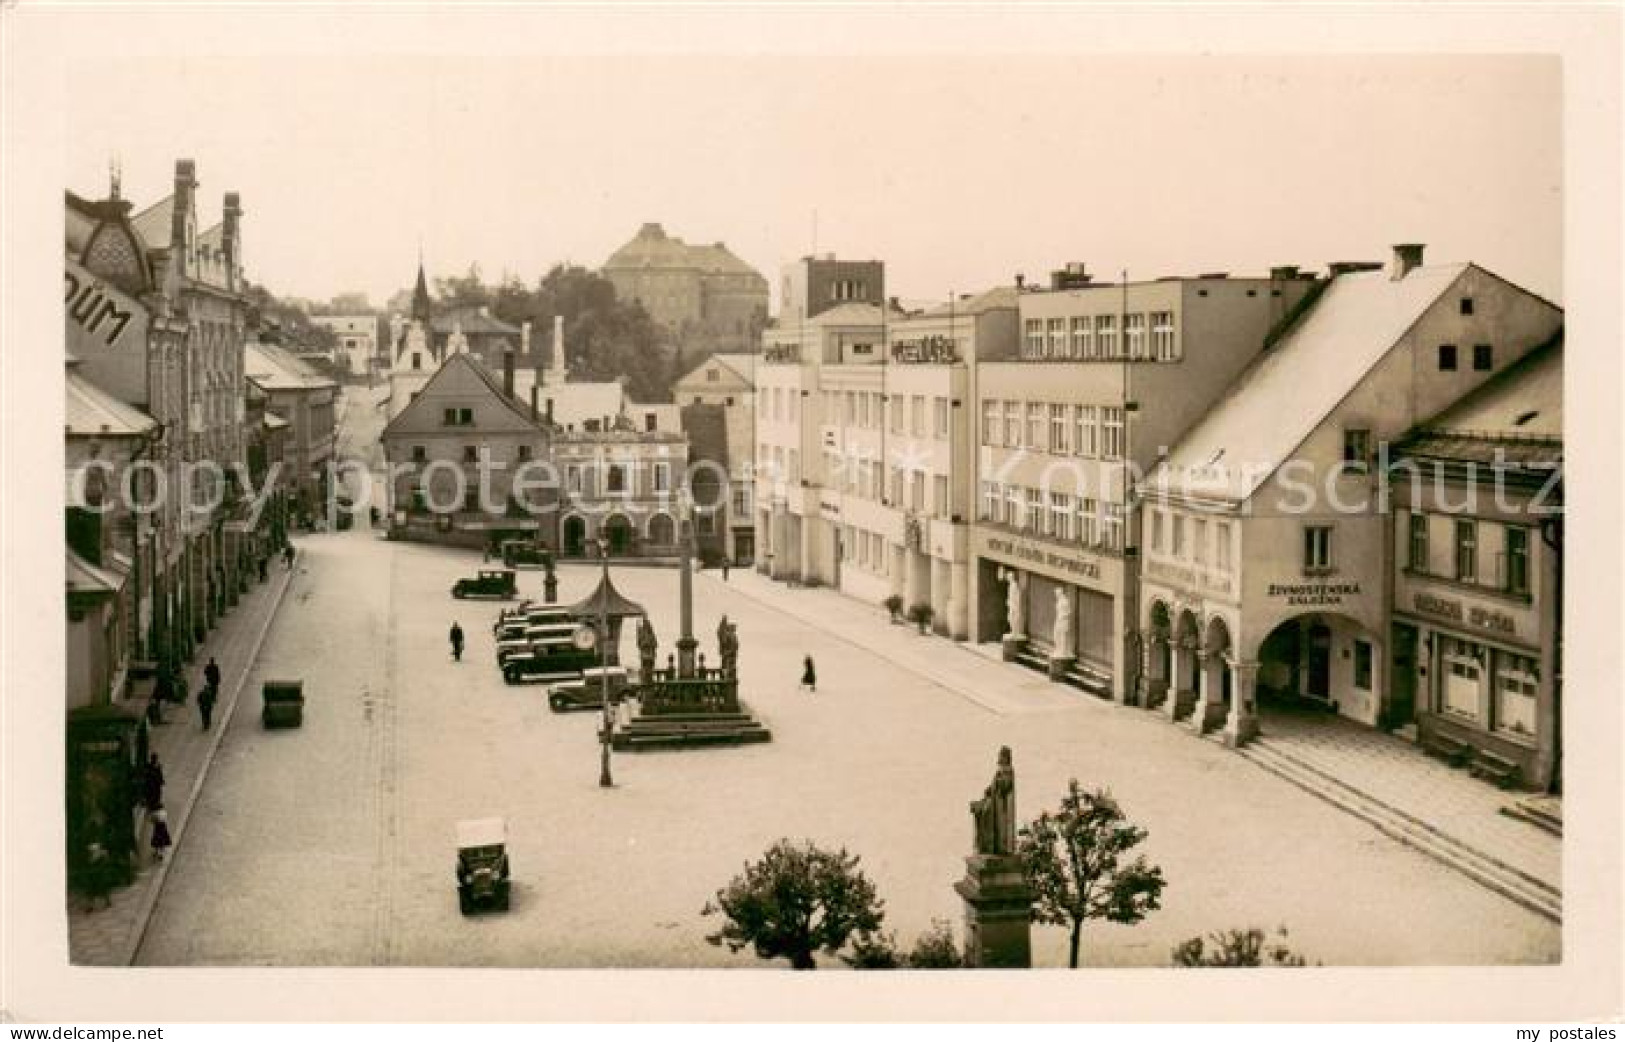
x: 809, y: 675
x: 161, y: 840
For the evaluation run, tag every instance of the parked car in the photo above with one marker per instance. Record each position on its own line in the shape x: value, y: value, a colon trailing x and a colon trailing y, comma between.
x: 588, y: 692
x: 555, y: 659
x: 482, y: 865
x: 517, y: 553
x: 531, y: 637
x: 488, y: 582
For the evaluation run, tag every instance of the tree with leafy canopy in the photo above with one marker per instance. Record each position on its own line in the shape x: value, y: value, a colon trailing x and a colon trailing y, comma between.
x: 795, y: 901
x: 1237, y: 948
x: 1074, y: 861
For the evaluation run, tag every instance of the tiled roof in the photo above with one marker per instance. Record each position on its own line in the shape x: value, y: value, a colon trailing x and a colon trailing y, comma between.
x: 653, y: 248
x: 275, y: 368
x: 472, y: 321
x: 154, y: 223
x: 83, y: 577
x: 90, y: 411
x: 1516, y: 417
x: 1285, y: 393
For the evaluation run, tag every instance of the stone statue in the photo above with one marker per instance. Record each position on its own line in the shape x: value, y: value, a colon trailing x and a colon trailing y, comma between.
x: 647, y: 646
x: 1012, y: 602
x: 728, y: 646
x: 995, y: 813
x: 1063, y: 623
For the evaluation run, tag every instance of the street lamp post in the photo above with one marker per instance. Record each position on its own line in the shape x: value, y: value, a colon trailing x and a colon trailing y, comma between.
x: 604, y: 778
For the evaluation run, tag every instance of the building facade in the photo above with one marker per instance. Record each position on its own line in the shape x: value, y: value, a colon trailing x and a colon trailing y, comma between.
x: 727, y: 384
x: 1476, y: 637
x: 1102, y: 378
x: 704, y: 296
x: 357, y: 340
x: 307, y: 402
x: 1267, y: 543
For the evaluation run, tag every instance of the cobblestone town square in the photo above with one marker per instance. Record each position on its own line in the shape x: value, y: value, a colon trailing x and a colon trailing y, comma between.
x: 333, y: 844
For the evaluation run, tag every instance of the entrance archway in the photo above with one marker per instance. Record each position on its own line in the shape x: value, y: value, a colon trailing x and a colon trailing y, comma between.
x: 619, y: 532
x: 662, y: 531
x: 574, y: 536
x: 1158, y: 656
x: 1321, y: 661
x: 1183, y: 664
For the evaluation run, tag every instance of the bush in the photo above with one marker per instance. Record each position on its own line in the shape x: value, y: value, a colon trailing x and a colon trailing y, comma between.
x: 797, y: 900
x: 1236, y: 948
x: 894, y: 605
x: 921, y: 615
x: 875, y: 952
x: 936, y: 950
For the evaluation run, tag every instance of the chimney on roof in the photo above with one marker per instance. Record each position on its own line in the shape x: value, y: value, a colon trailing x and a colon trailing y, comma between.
x: 535, y: 410
x: 1072, y: 276
x: 507, y: 372
x: 1350, y: 267
x: 1407, y: 257
x: 185, y: 187
x: 1021, y: 281
x: 230, y: 240
x: 1284, y: 273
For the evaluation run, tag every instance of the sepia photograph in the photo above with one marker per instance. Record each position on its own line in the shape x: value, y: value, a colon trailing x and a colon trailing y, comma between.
x: 536, y: 501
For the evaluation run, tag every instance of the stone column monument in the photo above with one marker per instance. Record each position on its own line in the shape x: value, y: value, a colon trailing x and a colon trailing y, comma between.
x: 1015, y: 637
x: 998, y: 902
x: 1062, y: 654
x: 686, y: 643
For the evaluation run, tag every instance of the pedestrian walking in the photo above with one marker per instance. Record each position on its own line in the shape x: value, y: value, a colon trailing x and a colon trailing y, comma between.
x: 152, y: 783
x: 724, y: 569
x: 287, y: 556
x: 262, y: 569
x: 211, y: 674
x: 161, y: 839
x: 456, y: 642
x: 205, y: 704
x: 809, y: 675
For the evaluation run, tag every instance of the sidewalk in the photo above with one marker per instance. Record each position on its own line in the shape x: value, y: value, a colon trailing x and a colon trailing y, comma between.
x: 974, y: 674
x: 110, y: 936
x: 1387, y: 782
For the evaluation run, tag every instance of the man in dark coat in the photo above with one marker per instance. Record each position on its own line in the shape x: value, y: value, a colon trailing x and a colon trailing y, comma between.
x: 211, y: 674
x: 205, y: 704
x: 152, y: 783
x: 456, y: 642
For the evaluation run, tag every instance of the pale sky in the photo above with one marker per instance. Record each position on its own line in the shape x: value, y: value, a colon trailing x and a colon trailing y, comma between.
x: 957, y: 171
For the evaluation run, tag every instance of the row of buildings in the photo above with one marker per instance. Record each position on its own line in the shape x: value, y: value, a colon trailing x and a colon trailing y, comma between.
x: 1195, y: 493
x: 173, y: 418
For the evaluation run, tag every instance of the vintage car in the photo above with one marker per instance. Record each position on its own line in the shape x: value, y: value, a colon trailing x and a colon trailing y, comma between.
x: 284, y: 703
x: 482, y: 864
x: 588, y: 692
x: 489, y: 582
x: 557, y: 658
x: 530, y: 637
x: 519, y: 553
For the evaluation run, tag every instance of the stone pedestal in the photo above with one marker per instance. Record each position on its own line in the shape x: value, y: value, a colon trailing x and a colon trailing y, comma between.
x: 998, y: 913
x: 1012, y: 646
x: 1059, y: 665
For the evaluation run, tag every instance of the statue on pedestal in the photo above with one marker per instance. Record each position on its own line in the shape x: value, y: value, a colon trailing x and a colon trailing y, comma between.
x: 1013, y: 590
x: 995, y: 813
x: 1063, y: 624
x: 728, y: 646
x: 647, y: 647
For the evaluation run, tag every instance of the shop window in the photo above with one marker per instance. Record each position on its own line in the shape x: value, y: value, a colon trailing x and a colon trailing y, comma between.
x: 1459, y: 695
x: 1516, y: 687
x: 1362, y: 665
